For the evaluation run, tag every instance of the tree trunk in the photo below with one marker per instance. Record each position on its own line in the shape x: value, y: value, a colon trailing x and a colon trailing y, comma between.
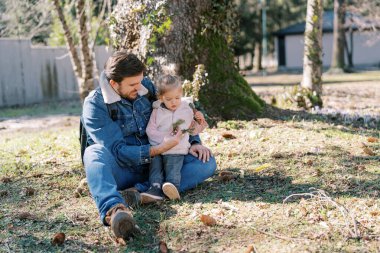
x: 87, y: 80
x: 258, y: 55
x: 161, y: 35
x: 75, y: 60
x: 337, y: 60
x: 312, y: 60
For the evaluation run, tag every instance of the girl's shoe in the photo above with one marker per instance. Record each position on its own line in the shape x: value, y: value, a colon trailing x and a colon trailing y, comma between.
x: 170, y: 191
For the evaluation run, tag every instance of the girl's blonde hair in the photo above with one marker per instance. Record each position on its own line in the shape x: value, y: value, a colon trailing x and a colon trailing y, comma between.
x: 166, y: 83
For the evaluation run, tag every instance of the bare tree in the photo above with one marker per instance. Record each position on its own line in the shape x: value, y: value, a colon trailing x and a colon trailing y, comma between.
x: 312, y: 60
x: 337, y: 59
x: 183, y: 34
x: 83, y: 60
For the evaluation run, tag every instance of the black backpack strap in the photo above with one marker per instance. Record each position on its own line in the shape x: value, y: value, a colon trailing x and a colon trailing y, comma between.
x: 112, y: 111
x: 82, y: 138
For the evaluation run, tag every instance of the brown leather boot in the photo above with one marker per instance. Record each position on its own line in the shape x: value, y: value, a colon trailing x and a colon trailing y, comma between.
x: 120, y: 219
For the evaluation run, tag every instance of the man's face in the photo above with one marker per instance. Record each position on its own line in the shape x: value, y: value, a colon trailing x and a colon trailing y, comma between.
x: 128, y: 87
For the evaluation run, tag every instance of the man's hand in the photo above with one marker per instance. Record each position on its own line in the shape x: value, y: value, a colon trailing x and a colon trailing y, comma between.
x: 200, y: 151
x: 172, y: 139
x: 169, y: 142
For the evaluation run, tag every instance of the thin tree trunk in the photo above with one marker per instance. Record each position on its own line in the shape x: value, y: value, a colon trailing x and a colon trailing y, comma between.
x: 349, y: 48
x: 258, y: 55
x: 312, y: 60
x: 74, y: 57
x: 337, y: 60
x: 87, y: 83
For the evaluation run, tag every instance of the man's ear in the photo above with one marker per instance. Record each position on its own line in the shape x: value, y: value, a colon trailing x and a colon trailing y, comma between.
x: 113, y: 84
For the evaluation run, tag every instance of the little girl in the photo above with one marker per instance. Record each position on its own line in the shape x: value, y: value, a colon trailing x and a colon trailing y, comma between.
x: 171, y: 110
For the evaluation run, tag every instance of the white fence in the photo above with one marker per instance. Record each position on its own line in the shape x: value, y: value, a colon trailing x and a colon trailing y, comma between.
x: 30, y: 74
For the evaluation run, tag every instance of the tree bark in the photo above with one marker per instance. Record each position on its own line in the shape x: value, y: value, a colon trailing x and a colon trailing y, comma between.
x: 87, y: 80
x: 312, y: 60
x: 181, y: 35
x: 257, y: 65
x: 74, y: 57
x: 337, y: 60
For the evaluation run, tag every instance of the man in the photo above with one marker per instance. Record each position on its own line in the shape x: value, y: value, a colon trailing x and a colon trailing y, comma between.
x: 119, y: 153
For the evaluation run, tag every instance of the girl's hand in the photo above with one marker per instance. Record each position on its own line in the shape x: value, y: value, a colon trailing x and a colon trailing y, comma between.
x: 199, y: 117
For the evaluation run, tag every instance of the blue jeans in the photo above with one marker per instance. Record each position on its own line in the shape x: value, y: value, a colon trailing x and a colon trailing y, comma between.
x: 166, y: 168
x: 105, y: 177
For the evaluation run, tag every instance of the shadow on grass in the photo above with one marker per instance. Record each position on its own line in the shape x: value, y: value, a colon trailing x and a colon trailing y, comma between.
x: 348, y: 125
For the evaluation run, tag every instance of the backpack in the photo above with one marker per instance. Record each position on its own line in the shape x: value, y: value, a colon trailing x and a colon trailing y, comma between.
x: 112, y: 111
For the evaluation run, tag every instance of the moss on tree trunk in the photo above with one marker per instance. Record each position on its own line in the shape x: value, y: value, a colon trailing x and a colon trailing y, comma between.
x: 228, y: 94
x: 183, y: 34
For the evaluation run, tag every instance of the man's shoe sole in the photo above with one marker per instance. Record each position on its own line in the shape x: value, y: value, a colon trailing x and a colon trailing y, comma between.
x: 148, y: 198
x: 170, y: 191
x: 122, y: 225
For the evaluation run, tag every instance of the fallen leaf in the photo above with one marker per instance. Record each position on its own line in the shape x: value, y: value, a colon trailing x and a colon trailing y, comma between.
x: 228, y: 135
x: 360, y: 167
x: 29, y: 191
x: 58, y: 239
x: 262, y: 167
x: 223, y: 173
x: 277, y: 155
x: 250, y: 249
x: 375, y: 213
x: 368, y: 151
x: 372, y: 139
x: 208, y: 220
x: 163, y: 247
x: 6, y: 180
x: 226, y: 178
x: 25, y: 216
x: 120, y: 241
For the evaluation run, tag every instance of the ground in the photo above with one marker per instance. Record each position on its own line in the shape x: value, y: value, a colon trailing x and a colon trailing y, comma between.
x: 262, y: 165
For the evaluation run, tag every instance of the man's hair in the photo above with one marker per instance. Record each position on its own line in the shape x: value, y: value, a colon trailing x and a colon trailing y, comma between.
x: 123, y: 64
x: 166, y: 83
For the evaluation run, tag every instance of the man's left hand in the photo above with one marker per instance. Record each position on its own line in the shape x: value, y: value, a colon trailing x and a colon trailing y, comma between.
x: 200, y: 151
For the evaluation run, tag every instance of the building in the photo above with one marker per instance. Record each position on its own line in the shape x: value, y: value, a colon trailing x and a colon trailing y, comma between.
x: 289, y: 44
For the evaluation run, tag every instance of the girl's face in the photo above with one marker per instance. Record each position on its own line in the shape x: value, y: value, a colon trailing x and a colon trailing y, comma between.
x: 172, y: 98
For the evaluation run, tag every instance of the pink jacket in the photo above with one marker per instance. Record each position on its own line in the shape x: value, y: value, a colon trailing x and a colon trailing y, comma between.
x: 161, y: 124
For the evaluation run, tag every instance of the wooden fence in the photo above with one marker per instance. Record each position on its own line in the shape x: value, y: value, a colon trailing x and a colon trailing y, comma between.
x: 35, y: 74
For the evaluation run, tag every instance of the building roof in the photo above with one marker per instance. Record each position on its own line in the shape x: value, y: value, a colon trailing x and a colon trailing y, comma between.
x: 328, y: 24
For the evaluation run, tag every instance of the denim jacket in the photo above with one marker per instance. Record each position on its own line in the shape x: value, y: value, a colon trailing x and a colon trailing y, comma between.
x: 125, y: 137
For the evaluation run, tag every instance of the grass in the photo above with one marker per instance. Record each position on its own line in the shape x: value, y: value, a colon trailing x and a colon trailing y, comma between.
x: 40, y: 171
x: 53, y: 108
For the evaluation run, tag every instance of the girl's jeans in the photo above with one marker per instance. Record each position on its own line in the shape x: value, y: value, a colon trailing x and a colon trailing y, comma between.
x: 166, y: 167
x: 105, y: 177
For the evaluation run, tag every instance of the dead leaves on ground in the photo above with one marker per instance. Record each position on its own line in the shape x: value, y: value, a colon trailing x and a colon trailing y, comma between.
x: 228, y: 135
x: 208, y: 220
x: 25, y: 216
x: 163, y: 247
x: 6, y: 180
x: 372, y: 139
x: 226, y: 176
x: 58, y: 239
x: 366, y: 149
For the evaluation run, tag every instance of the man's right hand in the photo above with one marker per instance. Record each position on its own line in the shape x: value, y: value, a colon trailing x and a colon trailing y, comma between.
x: 172, y: 140
x: 169, y: 142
